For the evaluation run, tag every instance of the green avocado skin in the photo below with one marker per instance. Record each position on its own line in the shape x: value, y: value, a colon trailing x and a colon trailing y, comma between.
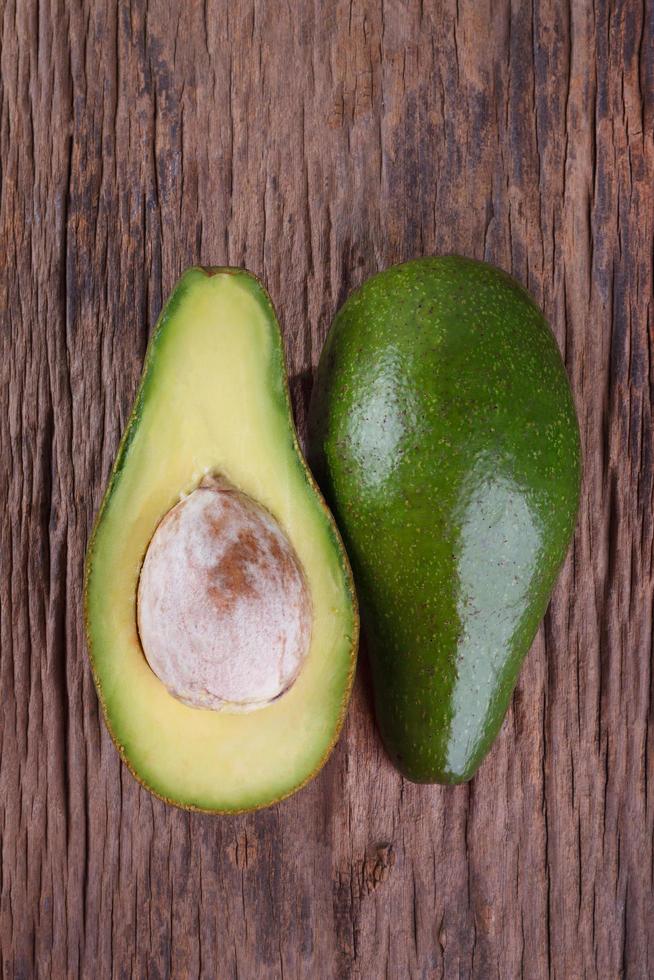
x: 443, y: 433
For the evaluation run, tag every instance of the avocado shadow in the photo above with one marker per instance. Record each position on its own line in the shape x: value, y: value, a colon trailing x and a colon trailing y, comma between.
x: 300, y: 387
x: 364, y: 684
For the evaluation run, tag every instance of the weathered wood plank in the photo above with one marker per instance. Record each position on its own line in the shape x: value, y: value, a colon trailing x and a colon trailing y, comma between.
x: 315, y: 143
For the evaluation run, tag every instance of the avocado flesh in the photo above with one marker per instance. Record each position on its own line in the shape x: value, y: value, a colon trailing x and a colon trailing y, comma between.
x: 444, y: 435
x: 214, y: 399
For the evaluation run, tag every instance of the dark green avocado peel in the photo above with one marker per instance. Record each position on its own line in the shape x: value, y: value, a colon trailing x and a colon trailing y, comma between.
x: 444, y: 435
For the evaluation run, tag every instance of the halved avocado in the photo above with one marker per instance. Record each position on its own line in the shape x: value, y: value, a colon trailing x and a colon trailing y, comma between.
x: 214, y: 400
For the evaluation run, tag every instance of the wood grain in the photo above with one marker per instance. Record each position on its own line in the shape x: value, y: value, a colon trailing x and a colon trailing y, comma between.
x: 316, y: 143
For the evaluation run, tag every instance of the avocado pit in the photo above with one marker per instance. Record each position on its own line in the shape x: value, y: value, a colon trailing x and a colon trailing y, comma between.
x: 223, y: 608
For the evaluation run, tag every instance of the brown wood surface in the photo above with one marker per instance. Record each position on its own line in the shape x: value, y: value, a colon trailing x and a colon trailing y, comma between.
x: 315, y: 143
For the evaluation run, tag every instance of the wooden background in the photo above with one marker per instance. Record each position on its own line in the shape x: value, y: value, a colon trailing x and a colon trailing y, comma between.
x: 315, y: 143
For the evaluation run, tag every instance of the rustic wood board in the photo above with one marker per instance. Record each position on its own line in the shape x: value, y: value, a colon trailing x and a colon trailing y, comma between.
x: 315, y: 143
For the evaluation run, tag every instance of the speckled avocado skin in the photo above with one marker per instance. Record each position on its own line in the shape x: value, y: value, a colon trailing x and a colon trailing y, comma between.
x: 443, y: 432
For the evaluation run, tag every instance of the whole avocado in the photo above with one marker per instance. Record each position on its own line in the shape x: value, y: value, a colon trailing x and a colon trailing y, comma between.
x: 444, y: 434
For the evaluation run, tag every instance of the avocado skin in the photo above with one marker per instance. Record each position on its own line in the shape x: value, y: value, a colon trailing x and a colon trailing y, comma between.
x: 443, y: 432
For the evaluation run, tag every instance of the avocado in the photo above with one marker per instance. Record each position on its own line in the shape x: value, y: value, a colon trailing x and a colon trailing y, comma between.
x: 444, y: 435
x: 220, y: 610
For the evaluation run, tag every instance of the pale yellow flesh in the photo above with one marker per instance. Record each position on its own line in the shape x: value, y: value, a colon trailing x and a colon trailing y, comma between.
x: 209, y: 406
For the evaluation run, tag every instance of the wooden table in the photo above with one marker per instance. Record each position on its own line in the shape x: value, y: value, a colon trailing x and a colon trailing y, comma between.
x: 315, y: 143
